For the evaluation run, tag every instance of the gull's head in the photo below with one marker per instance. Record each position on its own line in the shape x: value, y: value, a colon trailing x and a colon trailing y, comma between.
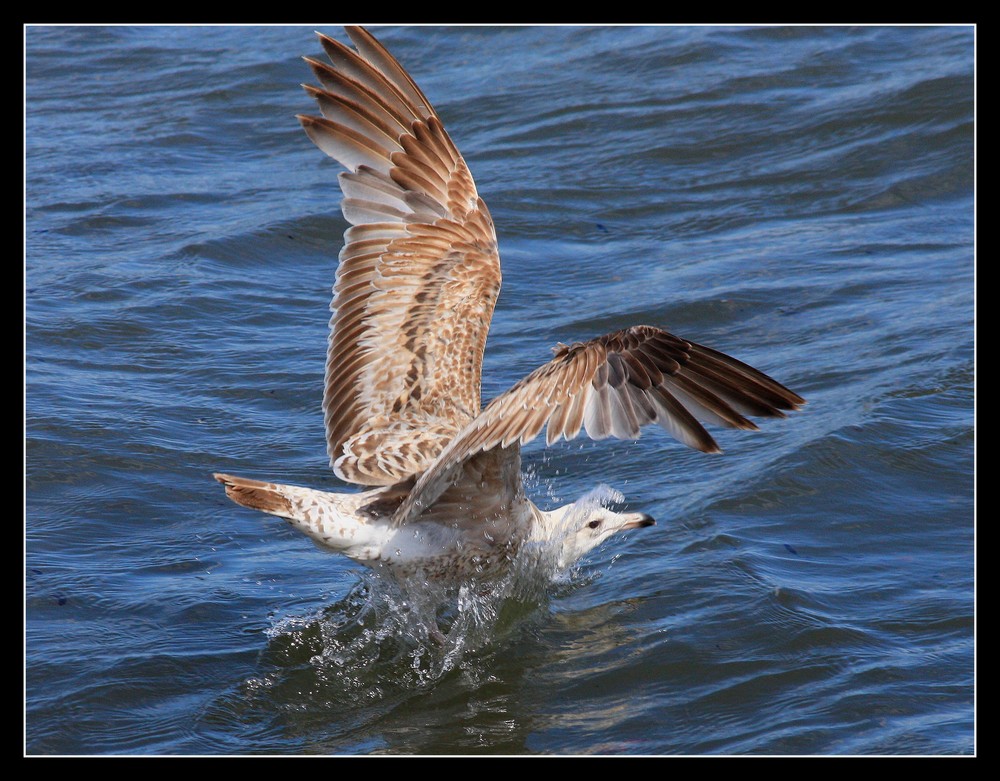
x: 577, y: 529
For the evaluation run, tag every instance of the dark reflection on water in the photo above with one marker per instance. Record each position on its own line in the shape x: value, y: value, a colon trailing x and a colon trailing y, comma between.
x: 370, y: 655
x: 801, y: 197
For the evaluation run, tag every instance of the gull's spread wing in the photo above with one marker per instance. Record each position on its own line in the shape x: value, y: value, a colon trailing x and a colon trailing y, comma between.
x: 419, y: 273
x: 612, y: 386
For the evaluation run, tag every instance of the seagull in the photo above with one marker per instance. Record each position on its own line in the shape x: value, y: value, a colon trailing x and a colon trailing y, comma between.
x: 415, y: 290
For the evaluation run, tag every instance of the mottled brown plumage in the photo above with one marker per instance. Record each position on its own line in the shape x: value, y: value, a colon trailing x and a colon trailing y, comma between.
x: 612, y: 386
x: 415, y: 290
x: 419, y: 274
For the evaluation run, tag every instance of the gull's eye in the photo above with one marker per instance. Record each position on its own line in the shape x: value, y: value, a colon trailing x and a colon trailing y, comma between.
x: 594, y: 524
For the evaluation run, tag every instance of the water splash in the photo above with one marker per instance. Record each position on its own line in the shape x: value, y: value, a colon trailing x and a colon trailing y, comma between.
x: 393, y: 635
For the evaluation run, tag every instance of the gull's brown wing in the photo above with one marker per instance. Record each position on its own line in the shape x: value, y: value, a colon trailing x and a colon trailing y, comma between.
x: 612, y: 386
x: 419, y: 273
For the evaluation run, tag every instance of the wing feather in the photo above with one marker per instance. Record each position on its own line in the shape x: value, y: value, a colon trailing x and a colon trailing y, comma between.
x: 419, y: 273
x: 373, y: 52
x: 612, y: 385
x: 370, y: 77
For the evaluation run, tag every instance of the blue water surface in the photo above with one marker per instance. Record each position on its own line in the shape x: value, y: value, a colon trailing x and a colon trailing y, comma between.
x: 800, y: 197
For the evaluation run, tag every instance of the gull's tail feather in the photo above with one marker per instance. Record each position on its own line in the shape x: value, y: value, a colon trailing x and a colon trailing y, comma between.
x: 257, y: 495
x: 330, y: 520
x: 308, y: 510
